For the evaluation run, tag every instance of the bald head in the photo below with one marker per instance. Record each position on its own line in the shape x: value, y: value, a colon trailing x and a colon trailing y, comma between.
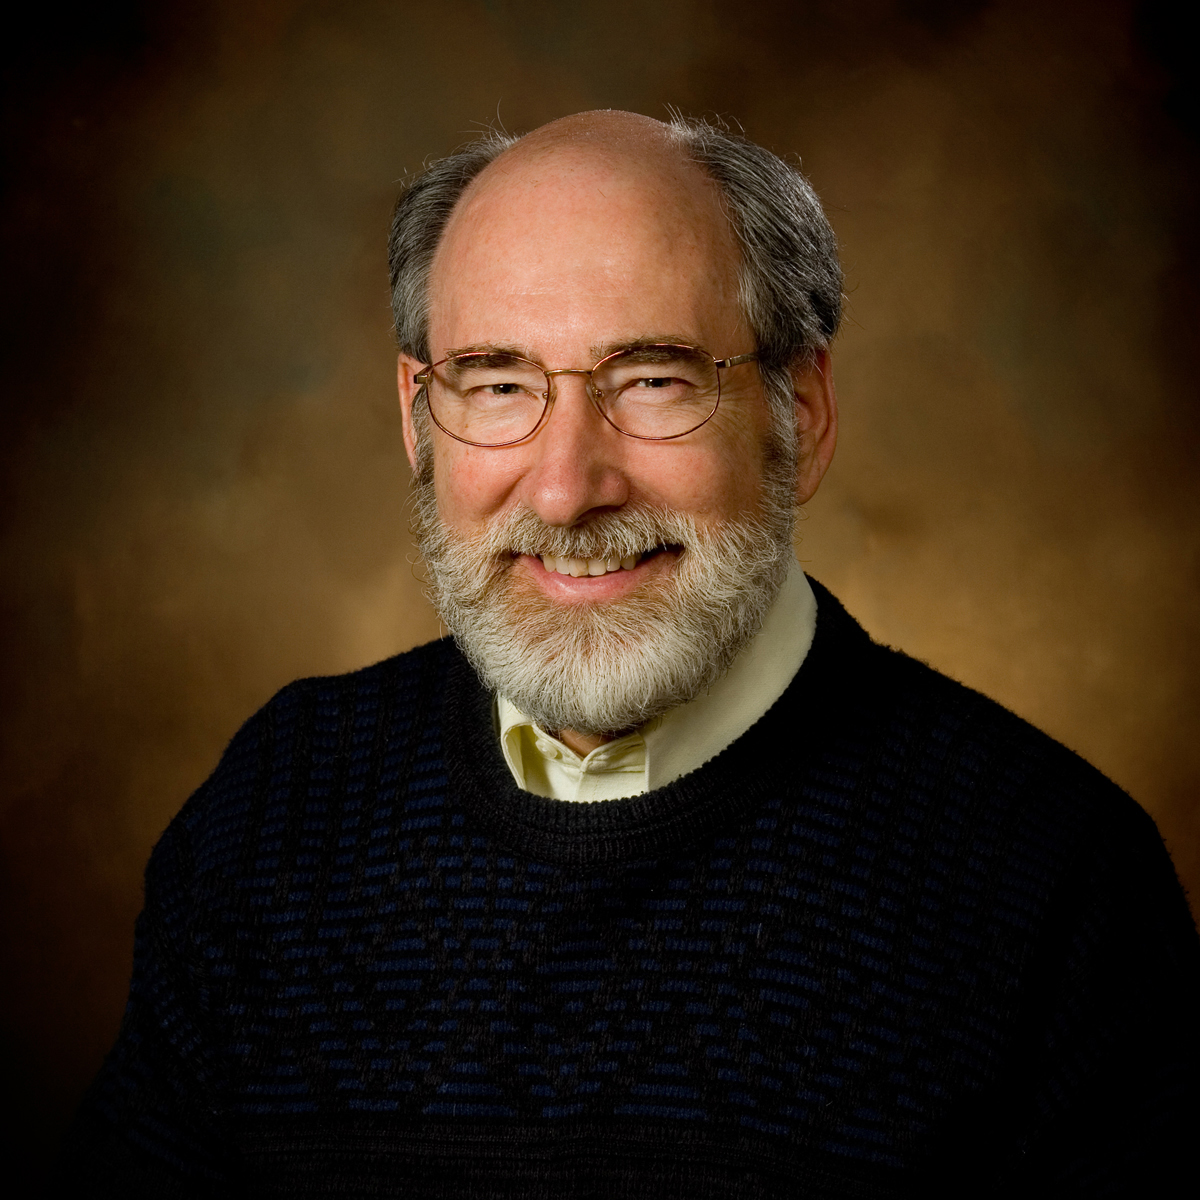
x: 586, y: 146
x: 605, y: 130
x: 597, y: 204
x: 705, y: 187
x: 584, y: 149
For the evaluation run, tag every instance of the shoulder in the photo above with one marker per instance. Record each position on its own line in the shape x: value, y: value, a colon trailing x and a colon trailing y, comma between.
x: 969, y: 751
x: 311, y: 736
x: 974, y: 813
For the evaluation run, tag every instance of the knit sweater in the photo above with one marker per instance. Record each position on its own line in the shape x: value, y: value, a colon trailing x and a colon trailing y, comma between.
x: 933, y: 953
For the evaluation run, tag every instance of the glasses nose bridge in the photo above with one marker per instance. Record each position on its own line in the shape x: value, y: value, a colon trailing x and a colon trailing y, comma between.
x: 586, y: 373
x: 570, y: 371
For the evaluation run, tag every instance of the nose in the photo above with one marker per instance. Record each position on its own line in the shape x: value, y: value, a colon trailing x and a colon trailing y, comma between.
x: 578, y: 458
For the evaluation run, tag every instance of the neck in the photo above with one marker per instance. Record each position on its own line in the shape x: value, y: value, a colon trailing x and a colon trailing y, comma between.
x: 583, y: 743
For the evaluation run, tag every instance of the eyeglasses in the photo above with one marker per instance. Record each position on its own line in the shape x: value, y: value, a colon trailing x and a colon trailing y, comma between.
x: 653, y: 392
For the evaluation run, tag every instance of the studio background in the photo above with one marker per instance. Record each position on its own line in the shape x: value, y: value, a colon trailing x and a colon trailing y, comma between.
x: 203, y: 482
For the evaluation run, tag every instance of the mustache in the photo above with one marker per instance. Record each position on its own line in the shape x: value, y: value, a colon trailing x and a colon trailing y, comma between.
x: 630, y: 530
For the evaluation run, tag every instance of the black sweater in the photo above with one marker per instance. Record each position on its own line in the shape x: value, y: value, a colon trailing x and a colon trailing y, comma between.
x: 893, y: 941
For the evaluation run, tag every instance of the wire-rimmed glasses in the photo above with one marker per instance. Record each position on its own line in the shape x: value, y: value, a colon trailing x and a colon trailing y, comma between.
x: 654, y: 392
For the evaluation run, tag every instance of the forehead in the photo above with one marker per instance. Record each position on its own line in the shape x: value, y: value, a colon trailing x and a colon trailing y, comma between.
x: 585, y: 236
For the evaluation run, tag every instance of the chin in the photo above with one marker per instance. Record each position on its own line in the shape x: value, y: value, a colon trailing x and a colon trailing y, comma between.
x: 600, y: 666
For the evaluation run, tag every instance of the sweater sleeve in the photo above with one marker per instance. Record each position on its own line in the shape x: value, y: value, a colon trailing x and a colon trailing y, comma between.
x: 150, y: 1124
x: 1112, y: 1068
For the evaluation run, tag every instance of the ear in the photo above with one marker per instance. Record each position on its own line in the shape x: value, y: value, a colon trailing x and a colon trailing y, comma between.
x: 816, y: 421
x: 406, y: 368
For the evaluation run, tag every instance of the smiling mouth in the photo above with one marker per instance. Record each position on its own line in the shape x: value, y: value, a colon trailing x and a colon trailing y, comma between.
x: 579, y: 567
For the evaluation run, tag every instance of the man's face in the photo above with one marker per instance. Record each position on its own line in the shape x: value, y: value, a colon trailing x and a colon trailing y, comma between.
x: 561, y: 258
x: 561, y: 264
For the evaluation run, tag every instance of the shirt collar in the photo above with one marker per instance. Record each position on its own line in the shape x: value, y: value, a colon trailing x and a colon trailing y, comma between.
x: 684, y: 738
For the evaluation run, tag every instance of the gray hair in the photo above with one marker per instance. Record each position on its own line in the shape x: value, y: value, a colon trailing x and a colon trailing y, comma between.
x: 790, y: 288
x: 418, y: 222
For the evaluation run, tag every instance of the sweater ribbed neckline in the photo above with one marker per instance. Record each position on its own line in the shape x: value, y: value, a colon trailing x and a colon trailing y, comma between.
x: 668, y: 818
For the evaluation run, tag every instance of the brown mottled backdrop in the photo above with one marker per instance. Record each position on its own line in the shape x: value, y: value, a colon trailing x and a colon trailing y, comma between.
x: 200, y: 462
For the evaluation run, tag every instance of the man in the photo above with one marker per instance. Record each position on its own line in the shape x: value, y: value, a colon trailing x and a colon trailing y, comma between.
x: 660, y: 878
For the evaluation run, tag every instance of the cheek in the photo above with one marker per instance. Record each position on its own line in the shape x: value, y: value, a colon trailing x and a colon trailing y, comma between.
x: 713, y: 482
x: 728, y: 477
x: 723, y: 473
x: 470, y: 484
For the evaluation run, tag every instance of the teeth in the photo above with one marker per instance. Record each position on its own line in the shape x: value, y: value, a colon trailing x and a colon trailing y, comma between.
x: 578, y: 567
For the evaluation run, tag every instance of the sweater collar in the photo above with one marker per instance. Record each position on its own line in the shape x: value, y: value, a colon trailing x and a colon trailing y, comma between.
x: 666, y: 818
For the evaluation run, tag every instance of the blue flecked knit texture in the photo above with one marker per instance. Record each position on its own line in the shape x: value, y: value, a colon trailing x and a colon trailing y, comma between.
x: 924, y: 937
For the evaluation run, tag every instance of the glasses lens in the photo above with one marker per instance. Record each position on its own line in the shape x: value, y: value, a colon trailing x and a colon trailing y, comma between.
x: 657, y: 391
x: 488, y: 399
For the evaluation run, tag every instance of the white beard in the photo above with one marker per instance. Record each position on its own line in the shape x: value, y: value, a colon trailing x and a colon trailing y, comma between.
x: 603, y: 668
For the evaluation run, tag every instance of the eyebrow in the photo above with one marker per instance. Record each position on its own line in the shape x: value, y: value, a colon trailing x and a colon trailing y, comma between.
x: 658, y: 339
x: 598, y: 350
x: 488, y: 348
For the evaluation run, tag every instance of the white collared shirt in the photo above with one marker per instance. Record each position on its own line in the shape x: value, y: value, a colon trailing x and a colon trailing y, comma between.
x: 685, y: 737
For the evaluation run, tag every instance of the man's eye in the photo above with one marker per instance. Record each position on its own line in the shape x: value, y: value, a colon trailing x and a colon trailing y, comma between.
x: 502, y: 389
x: 654, y: 382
